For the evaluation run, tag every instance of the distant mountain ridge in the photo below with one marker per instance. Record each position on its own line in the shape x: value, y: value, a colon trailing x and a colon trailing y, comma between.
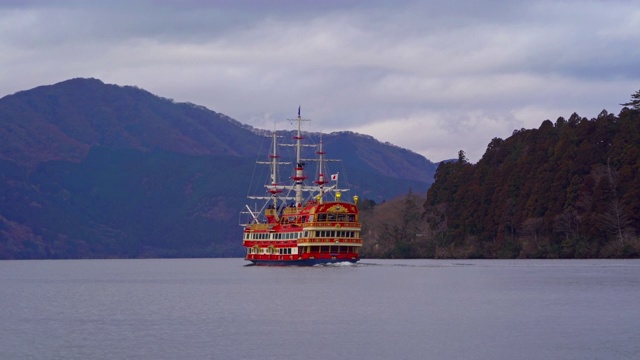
x: 64, y: 120
x: 67, y: 118
x: 89, y: 169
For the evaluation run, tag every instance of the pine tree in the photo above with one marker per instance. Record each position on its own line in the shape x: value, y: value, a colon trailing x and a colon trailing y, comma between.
x: 462, y: 157
x: 635, y: 101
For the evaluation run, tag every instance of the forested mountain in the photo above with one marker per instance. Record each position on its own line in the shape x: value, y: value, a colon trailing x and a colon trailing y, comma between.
x: 89, y: 169
x: 569, y: 189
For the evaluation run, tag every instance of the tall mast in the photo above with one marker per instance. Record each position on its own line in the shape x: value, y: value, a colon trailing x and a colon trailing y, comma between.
x: 299, y: 175
x: 274, y: 171
x: 321, y: 180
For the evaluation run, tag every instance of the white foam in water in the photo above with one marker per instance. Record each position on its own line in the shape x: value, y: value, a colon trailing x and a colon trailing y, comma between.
x: 339, y: 264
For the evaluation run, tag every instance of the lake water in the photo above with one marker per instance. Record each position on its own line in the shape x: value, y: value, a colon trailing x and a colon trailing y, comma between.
x: 378, y: 309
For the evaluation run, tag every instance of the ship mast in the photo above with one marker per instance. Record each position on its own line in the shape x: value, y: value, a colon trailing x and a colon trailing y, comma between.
x: 321, y: 180
x: 299, y: 171
x: 274, y: 190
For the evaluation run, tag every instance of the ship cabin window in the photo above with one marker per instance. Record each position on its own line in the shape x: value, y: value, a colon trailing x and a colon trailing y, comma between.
x: 262, y: 236
x: 337, y: 217
x: 332, y: 234
x: 286, y: 236
x: 330, y: 249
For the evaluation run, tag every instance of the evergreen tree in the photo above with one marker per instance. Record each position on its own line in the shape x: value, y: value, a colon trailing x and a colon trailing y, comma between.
x: 462, y: 157
x: 635, y: 101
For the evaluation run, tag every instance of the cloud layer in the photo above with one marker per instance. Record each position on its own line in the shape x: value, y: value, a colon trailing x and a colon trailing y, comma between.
x: 435, y: 78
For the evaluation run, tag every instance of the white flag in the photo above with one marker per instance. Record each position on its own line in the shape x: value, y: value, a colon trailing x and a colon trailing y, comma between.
x: 334, y: 177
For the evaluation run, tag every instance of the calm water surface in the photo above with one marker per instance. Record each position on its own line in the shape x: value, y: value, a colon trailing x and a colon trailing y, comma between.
x: 221, y: 309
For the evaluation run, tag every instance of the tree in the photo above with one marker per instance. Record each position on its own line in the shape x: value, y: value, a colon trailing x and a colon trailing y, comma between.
x: 635, y: 101
x: 462, y: 158
x: 410, y: 216
x: 615, y: 220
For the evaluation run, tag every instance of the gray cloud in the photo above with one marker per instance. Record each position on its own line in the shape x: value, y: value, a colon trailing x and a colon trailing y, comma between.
x: 431, y: 76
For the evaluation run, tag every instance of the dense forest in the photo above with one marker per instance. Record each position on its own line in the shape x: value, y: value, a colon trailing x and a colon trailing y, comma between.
x: 569, y: 189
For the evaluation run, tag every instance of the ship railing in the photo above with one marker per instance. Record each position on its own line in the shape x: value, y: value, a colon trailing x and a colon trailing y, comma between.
x: 330, y: 241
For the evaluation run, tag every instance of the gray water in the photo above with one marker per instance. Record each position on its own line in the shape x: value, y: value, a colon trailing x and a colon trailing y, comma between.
x: 221, y: 309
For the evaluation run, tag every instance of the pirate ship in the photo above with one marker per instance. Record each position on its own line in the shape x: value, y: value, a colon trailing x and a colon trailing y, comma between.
x: 302, y: 222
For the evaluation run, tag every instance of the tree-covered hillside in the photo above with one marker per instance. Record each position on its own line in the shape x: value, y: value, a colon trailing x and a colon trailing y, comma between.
x: 122, y: 204
x: 569, y: 189
x: 94, y: 170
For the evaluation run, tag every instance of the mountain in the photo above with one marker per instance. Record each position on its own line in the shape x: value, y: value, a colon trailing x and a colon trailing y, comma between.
x: 93, y: 170
x: 63, y: 121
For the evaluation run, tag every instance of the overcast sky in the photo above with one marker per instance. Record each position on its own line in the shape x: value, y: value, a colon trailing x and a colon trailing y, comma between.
x: 431, y: 76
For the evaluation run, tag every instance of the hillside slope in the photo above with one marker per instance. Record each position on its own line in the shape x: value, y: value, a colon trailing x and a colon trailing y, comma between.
x: 89, y: 169
x: 569, y: 189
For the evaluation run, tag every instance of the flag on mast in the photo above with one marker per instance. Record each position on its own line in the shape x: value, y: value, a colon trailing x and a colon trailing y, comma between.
x: 334, y: 177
